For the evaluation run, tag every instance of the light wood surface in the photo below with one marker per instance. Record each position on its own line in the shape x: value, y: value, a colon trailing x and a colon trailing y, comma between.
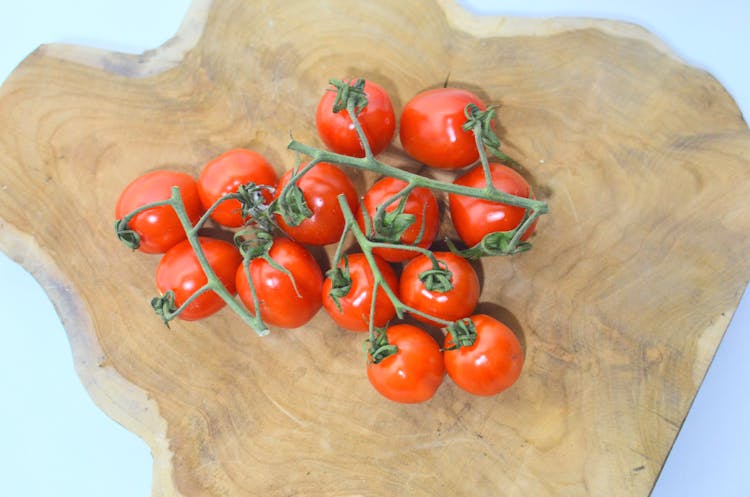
x: 634, y: 276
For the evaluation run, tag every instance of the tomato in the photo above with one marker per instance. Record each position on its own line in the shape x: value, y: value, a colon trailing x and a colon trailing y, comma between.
x: 431, y: 128
x: 179, y: 271
x: 320, y: 187
x: 450, y: 305
x: 159, y: 228
x: 286, y: 300
x: 225, y: 174
x: 378, y: 121
x: 412, y: 374
x: 489, y: 366
x: 354, y: 314
x: 421, y: 203
x: 474, y: 218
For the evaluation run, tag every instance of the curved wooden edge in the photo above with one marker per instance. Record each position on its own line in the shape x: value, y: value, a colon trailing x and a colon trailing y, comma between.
x: 149, y: 63
x: 510, y: 26
x: 124, y: 402
x: 171, y: 53
x: 121, y: 400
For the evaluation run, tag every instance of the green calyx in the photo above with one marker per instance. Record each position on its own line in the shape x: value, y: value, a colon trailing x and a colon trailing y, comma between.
x: 497, y: 243
x: 292, y: 206
x: 349, y: 94
x: 437, y: 279
x: 481, y: 120
x: 463, y: 333
x: 128, y: 237
x: 379, y: 347
x: 253, y: 243
x: 390, y: 226
x: 253, y: 202
x: 341, y: 282
x: 164, y: 306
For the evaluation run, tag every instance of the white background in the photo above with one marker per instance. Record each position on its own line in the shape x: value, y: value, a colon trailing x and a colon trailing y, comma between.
x: 57, y: 443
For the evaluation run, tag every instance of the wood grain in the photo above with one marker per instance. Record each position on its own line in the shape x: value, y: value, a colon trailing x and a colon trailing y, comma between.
x: 635, y: 273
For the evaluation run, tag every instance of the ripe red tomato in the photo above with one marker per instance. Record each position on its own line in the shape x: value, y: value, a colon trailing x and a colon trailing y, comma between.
x: 414, y: 373
x: 474, y: 218
x: 180, y: 271
x: 421, y: 203
x: 377, y: 119
x: 489, y: 366
x: 320, y: 187
x: 159, y: 228
x: 225, y: 174
x: 431, y: 128
x: 354, y: 314
x: 455, y: 303
x: 286, y: 302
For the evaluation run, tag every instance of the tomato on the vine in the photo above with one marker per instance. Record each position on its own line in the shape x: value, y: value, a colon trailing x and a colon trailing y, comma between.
x: 225, y: 174
x: 474, y: 218
x: 431, y: 128
x: 320, y: 188
x: 378, y: 121
x: 179, y: 271
x: 414, y: 372
x: 351, y: 310
x: 420, y: 203
x: 450, y: 292
x: 288, y: 298
x: 158, y: 228
x: 491, y: 364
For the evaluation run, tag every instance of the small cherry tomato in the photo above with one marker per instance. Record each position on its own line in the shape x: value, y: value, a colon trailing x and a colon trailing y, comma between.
x: 489, y: 366
x: 448, y: 293
x: 474, y: 218
x: 225, y: 174
x: 353, y: 309
x: 180, y: 272
x: 290, y: 298
x: 431, y: 128
x: 320, y: 187
x: 414, y: 372
x: 159, y: 228
x: 420, y: 203
x: 377, y: 119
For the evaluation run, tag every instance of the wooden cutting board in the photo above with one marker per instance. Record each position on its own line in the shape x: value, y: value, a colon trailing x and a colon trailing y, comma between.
x: 634, y: 276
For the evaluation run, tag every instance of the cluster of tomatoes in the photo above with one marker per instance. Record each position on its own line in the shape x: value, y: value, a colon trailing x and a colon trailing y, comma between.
x: 276, y: 219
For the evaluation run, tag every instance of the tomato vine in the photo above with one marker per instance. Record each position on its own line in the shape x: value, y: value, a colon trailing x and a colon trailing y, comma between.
x: 268, y: 209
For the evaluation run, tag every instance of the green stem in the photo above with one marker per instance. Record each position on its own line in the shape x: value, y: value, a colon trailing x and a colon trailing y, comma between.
x: 489, y: 186
x: 374, y: 165
x: 205, y: 288
x: 254, y: 294
x: 352, y: 111
x: 477, y: 130
x: 145, y: 207
x: 214, y: 283
x: 367, y: 247
x: 281, y: 199
x: 373, y: 304
x: 206, y: 215
x: 298, y: 173
x: 340, y: 246
x: 390, y: 226
x: 521, y: 229
x: 413, y: 248
x: 402, y: 197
